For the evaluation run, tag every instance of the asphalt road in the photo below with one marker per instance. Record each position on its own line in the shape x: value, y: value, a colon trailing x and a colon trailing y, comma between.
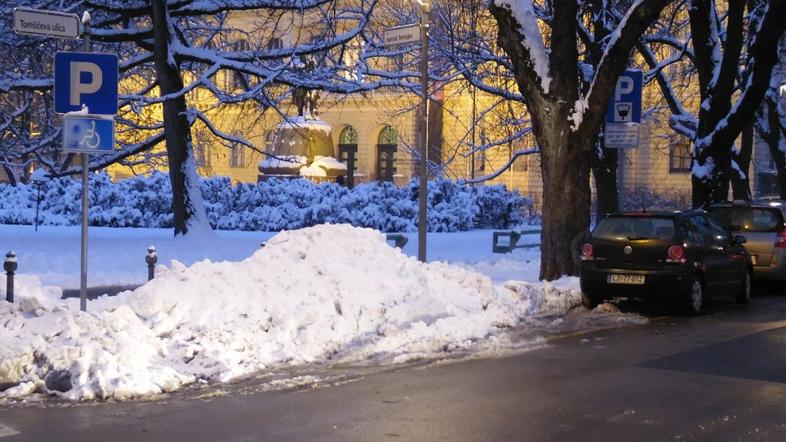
x: 721, y: 376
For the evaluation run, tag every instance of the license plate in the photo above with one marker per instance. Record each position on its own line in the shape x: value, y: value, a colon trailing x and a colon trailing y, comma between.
x: 625, y: 279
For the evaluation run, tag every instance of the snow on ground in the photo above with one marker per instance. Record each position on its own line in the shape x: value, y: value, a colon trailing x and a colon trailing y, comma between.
x: 326, y: 292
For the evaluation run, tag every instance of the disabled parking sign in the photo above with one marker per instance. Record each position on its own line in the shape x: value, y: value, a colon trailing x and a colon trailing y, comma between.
x: 88, y: 134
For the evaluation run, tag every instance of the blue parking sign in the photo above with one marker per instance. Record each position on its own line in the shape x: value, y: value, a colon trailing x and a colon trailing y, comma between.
x: 625, y: 105
x: 89, y: 79
x: 88, y: 133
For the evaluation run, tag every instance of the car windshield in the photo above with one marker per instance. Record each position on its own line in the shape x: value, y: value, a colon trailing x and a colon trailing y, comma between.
x: 748, y: 219
x: 629, y: 228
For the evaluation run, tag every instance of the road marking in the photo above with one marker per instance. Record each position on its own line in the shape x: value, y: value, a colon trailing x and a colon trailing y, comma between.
x: 6, y: 431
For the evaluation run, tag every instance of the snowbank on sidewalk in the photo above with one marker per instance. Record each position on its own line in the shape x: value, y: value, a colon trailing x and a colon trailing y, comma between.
x: 326, y: 292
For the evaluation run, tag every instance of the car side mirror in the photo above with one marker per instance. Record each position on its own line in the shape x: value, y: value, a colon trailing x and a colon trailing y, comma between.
x: 739, y: 239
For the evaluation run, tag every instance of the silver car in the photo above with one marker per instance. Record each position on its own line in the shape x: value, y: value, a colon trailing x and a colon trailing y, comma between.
x: 762, y: 223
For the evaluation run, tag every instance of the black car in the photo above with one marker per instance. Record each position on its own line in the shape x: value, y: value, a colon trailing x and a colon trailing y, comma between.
x: 684, y: 256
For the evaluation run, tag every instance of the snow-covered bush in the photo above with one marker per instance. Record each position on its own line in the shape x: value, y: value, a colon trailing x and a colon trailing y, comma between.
x: 272, y: 205
x: 639, y: 199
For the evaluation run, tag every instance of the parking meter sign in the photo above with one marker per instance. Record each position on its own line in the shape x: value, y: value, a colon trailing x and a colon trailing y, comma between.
x: 625, y: 105
x: 88, y: 134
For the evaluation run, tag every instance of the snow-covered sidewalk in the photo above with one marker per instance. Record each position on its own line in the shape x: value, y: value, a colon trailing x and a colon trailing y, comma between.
x: 327, y: 292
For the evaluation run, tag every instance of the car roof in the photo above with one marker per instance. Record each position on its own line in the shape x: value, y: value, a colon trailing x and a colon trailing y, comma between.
x: 658, y: 213
x: 755, y: 204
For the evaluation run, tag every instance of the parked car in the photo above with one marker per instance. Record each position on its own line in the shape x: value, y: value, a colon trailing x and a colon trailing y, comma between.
x: 684, y: 256
x: 762, y: 223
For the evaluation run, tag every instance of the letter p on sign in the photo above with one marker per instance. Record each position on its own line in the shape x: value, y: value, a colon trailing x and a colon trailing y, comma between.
x: 86, y: 79
x: 77, y: 86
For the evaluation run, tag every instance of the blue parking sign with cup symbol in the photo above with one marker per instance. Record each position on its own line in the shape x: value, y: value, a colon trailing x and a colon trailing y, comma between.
x: 625, y: 105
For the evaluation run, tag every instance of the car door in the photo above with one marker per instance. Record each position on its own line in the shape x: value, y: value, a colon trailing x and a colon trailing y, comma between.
x: 732, y: 255
x: 711, y: 257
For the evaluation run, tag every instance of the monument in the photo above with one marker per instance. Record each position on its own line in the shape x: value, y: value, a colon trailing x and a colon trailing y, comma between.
x: 302, y: 146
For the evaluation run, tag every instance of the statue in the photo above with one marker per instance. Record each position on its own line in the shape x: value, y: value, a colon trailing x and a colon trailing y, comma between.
x: 304, y: 98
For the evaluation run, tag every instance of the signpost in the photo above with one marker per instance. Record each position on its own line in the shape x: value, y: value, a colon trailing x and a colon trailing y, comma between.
x: 85, y: 84
x: 403, y: 35
x: 624, y: 112
x: 45, y: 23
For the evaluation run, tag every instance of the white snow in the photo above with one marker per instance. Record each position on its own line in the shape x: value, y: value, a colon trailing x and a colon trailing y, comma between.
x: 327, y: 292
x: 283, y: 162
x: 321, y: 165
x: 524, y: 13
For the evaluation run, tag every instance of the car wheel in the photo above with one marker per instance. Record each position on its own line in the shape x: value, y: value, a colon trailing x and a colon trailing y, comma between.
x: 589, y: 301
x: 694, y: 299
x: 744, y: 295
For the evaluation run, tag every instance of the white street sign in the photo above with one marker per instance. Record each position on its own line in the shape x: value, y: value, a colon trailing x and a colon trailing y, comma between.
x: 47, y: 23
x: 621, y: 135
x: 402, y: 35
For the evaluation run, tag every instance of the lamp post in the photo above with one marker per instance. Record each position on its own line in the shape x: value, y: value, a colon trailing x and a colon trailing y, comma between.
x: 39, y: 179
x: 425, y: 10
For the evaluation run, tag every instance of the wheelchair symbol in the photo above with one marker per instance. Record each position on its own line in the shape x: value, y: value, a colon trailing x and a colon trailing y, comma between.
x: 90, y: 139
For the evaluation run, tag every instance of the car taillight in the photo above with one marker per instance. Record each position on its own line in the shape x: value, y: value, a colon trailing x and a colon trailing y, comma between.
x: 586, y: 252
x: 780, y: 240
x: 676, y: 254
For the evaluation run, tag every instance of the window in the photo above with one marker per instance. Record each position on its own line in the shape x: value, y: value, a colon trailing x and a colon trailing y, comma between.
x: 480, y: 161
x: 348, y: 136
x: 201, y: 154
x: 720, y: 235
x: 679, y: 157
x: 274, y: 43
x: 387, y: 145
x: 237, y: 80
x: 520, y: 164
x: 238, y: 158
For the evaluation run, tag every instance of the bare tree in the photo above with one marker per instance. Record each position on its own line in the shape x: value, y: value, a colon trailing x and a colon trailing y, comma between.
x: 566, y: 117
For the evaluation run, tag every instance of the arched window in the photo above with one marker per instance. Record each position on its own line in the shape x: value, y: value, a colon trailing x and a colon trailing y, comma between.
x: 348, y: 136
x: 388, y: 136
x: 348, y: 152
x: 387, y: 146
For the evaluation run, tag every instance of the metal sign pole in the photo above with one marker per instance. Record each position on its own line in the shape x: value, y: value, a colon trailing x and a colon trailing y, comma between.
x: 85, y: 202
x: 422, y: 216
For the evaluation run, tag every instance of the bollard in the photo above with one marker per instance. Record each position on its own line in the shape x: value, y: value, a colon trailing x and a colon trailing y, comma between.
x: 10, y: 267
x: 151, y: 260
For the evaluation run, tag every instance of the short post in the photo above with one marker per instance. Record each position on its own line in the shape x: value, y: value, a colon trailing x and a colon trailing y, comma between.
x: 9, y: 266
x: 151, y: 260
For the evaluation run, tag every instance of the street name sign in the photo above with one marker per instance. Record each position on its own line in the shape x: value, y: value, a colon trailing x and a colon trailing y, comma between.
x: 45, y: 23
x: 88, y: 133
x: 84, y: 78
x: 402, y: 35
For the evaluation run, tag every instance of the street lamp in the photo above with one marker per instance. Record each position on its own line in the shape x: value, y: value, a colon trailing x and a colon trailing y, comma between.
x: 39, y: 178
x: 425, y: 10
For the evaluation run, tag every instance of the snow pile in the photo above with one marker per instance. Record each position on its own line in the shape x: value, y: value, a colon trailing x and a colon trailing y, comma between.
x: 327, y: 292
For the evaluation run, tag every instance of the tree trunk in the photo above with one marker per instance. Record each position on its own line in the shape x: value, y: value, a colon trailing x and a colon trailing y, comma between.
x: 187, y: 205
x: 740, y: 180
x: 604, y: 168
x: 566, y: 202
x: 771, y: 132
x: 712, y: 185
